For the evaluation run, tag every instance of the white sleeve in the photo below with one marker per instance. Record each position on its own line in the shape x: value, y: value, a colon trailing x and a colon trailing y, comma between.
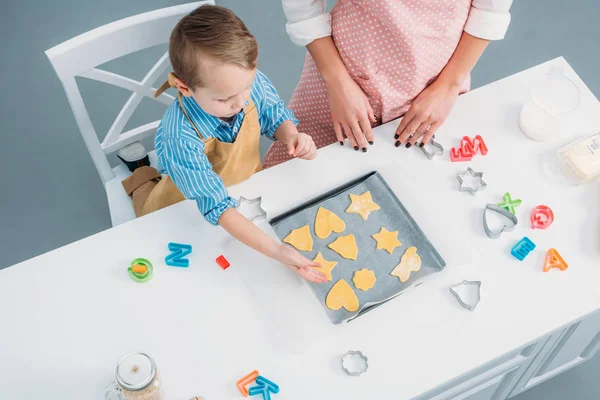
x: 307, y: 20
x: 489, y: 19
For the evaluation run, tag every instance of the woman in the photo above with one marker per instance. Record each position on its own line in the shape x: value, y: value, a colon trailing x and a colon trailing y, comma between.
x: 372, y: 61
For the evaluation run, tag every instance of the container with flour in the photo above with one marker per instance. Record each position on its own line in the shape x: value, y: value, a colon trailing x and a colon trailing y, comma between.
x: 137, y: 378
x: 550, y: 100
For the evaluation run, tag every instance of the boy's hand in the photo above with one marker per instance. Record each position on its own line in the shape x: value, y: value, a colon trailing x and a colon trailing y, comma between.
x: 301, y: 265
x: 302, y: 146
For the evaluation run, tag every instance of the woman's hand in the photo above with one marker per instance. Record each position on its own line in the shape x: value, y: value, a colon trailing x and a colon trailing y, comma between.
x: 301, y: 265
x: 427, y: 113
x: 351, y: 112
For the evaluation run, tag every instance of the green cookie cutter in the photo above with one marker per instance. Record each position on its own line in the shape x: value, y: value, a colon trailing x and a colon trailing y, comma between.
x: 146, y: 276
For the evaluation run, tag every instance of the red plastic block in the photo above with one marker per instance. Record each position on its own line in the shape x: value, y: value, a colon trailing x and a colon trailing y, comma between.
x: 458, y: 155
x: 223, y: 263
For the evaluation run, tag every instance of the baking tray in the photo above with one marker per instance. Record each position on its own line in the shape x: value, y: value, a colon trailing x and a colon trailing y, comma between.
x: 392, y: 215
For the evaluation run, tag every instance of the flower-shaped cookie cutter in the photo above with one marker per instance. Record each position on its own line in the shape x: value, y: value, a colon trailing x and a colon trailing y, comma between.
x: 437, y: 149
x: 471, y: 174
x: 355, y: 363
x: 251, y: 208
x: 466, y: 304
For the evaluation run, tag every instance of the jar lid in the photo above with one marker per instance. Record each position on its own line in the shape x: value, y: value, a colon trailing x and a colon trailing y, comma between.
x: 135, y: 371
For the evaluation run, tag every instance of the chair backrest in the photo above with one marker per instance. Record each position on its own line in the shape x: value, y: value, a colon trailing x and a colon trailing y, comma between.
x: 81, y: 55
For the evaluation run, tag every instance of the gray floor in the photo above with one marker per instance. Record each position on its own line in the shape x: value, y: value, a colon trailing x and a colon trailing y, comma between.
x: 50, y: 192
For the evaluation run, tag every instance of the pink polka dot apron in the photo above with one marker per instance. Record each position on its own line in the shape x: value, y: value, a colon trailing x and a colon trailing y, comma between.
x: 393, y: 49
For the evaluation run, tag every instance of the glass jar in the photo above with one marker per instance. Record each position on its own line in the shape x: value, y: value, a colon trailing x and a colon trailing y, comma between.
x: 136, y: 379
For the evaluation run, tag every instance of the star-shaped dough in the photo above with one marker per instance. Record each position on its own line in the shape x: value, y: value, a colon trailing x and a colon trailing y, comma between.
x: 362, y: 205
x: 364, y: 279
x: 326, y: 266
x: 300, y: 238
x: 387, y: 240
x: 345, y: 246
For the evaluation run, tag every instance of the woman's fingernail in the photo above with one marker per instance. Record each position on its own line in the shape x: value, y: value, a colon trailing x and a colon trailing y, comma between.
x: 396, y: 136
x: 397, y: 144
x: 422, y: 144
x: 356, y: 148
x: 341, y: 143
x: 408, y: 145
x: 371, y: 143
x: 364, y: 149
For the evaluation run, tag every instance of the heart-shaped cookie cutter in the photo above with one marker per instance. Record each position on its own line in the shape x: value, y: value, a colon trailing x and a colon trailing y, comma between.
x: 469, y: 306
x: 505, y: 228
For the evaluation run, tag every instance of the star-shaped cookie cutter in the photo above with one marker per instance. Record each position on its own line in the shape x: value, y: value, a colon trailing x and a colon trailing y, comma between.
x: 505, y: 228
x: 251, y: 208
x: 465, y: 304
x: 438, y: 149
x: 353, y: 370
x: 470, y: 173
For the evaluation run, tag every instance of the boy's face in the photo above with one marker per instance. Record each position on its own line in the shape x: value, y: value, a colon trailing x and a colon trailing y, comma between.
x: 225, y: 89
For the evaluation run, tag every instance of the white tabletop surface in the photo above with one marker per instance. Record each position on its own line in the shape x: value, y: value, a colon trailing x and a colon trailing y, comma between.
x: 69, y: 315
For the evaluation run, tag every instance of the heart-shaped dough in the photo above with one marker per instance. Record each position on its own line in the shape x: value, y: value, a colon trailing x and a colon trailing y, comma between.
x: 341, y: 295
x: 410, y: 262
x: 327, y: 222
x: 300, y: 238
x: 345, y: 246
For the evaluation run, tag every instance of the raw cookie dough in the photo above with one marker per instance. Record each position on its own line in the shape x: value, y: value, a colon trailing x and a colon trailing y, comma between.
x: 362, y: 205
x: 327, y: 222
x: 326, y: 266
x: 387, y: 240
x: 341, y: 295
x: 410, y: 262
x: 300, y: 238
x: 364, y: 279
x: 345, y: 246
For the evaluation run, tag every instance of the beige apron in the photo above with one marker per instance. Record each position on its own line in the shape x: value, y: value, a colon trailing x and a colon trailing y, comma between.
x: 233, y: 162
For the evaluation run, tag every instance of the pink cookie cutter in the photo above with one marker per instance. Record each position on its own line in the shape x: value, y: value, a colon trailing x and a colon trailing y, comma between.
x: 541, y: 217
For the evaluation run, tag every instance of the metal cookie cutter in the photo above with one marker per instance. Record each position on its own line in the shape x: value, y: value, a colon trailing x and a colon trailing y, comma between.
x: 355, y: 363
x: 438, y: 149
x: 251, y: 208
x: 468, y: 305
x: 472, y: 174
x: 505, y: 228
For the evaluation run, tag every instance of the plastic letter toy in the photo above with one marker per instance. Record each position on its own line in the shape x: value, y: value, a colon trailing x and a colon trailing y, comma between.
x: 554, y: 260
x: 472, y: 147
x: 509, y: 204
x: 223, y: 263
x: 457, y: 155
x: 178, y: 252
x: 522, y: 248
x: 140, y: 270
x: 541, y: 217
x: 245, y: 381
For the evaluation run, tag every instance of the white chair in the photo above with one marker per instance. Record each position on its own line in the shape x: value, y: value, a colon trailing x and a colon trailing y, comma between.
x: 81, y: 55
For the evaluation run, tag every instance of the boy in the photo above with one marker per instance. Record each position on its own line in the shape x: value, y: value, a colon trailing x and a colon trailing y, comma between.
x: 209, y: 137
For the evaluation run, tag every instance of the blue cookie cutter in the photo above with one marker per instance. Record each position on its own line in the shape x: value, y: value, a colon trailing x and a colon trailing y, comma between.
x: 522, y: 248
x: 178, y: 252
x: 264, y: 387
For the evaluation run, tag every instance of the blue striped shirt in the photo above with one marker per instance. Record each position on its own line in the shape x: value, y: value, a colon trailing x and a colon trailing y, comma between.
x: 180, y: 151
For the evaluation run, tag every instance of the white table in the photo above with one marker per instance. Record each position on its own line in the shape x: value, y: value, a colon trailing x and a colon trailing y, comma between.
x: 69, y: 315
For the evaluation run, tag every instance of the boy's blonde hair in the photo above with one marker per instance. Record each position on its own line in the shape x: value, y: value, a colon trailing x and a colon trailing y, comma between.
x: 213, y: 32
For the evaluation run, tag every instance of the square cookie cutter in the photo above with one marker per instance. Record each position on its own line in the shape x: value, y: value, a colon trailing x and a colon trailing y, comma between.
x: 469, y: 306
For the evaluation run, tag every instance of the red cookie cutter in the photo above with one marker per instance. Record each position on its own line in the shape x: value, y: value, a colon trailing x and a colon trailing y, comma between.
x: 472, y: 147
x: 554, y: 260
x: 245, y: 381
x: 457, y: 155
x: 223, y: 263
x: 541, y: 217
